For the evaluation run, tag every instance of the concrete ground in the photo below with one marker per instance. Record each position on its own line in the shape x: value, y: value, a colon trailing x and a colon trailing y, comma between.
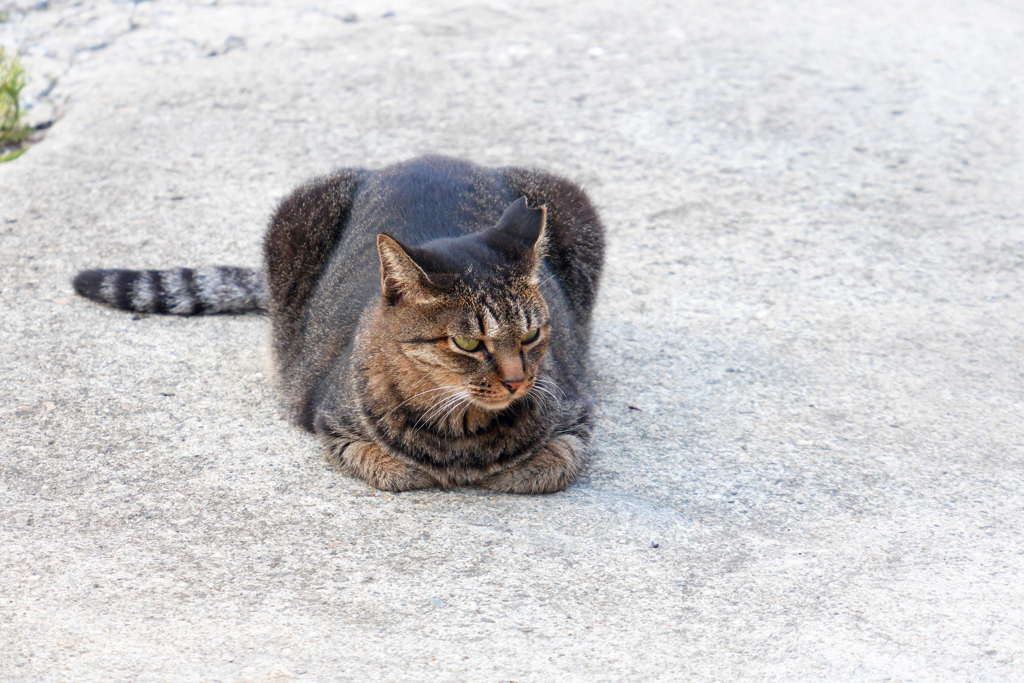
x: 809, y: 346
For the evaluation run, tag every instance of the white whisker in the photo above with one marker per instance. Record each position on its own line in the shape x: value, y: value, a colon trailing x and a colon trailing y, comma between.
x: 553, y: 398
x: 551, y: 277
x: 450, y: 386
x: 543, y: 387
x: 460, y: 403
x: 550, y: 384
x: 439, y: 408
x: 469, y: 402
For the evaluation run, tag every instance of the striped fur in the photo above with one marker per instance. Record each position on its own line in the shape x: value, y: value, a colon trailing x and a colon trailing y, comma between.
x: 373, y: 274
x: 183, y: 291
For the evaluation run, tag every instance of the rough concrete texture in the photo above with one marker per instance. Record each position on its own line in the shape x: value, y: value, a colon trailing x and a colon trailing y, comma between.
x: 808, y: 349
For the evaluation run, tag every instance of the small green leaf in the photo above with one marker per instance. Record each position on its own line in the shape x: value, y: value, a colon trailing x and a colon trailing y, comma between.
x: 11, y: 156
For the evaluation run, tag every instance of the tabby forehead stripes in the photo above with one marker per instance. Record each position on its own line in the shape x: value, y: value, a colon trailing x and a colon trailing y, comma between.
x: 498, y: 317
x: 523, y: 322
x: 491, y: 325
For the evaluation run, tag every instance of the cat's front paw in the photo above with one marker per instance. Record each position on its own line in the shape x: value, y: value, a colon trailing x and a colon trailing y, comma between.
x: 366, y: 461
x: 553, y: 467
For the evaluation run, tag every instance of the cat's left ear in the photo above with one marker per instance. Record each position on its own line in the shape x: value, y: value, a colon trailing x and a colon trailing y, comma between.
x: 401, y: 278
x: 519, y: 234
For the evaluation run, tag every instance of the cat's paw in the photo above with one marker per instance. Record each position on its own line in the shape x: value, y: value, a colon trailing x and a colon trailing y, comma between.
x: 553, y: 467
x: 366, y: 461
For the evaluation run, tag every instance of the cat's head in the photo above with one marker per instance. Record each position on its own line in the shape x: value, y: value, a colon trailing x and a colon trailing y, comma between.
x: 465, y: 315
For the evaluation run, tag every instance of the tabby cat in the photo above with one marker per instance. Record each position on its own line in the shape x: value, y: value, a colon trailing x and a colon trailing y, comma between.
x: 430, y: 320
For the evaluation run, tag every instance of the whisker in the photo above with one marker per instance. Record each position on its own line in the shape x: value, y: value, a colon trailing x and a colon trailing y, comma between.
x: 551, y: 277
x: 438, y: 408
x: 444, y: 419
x: 538, y: 394
x: 463, y: 413
x: 456, y: 406
x: 551, y: 384
x: 450, y: 386
x: 546, y: 391
x: 427, y: 417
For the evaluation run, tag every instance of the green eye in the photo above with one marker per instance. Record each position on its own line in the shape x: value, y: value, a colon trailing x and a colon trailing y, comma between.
x: 467, y: 344
x: 530, y: 337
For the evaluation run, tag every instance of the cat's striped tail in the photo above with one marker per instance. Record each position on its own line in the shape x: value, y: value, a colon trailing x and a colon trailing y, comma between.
x: 183, y: 291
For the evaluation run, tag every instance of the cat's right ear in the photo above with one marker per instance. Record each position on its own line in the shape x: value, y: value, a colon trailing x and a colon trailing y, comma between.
x: 401, y: 279
x: 519, y: 234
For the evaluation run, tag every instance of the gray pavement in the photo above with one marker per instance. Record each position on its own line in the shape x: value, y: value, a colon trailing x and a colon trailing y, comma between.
x: 808, y: 347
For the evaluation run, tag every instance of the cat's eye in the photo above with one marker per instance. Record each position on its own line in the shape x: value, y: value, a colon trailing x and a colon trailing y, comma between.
x: 529, y: 337
x: 467, y: 344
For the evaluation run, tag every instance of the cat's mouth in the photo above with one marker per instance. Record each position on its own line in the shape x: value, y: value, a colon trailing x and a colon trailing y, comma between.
x: 492, y: 400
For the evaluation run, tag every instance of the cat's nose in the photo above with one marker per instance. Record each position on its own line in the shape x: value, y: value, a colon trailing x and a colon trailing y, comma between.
x: 511, y: 371
x: 513, y: 387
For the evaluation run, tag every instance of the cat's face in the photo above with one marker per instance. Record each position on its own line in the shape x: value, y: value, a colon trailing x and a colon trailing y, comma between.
x: 487, y: 348
x: 467, y: 318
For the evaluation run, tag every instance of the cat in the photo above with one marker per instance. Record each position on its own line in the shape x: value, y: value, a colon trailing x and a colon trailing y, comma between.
x: 430, y: 320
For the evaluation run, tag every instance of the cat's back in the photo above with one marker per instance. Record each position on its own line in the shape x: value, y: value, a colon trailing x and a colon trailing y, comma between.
x: 427, y: 198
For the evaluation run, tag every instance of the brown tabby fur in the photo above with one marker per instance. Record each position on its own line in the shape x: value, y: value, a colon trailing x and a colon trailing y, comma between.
x: 371, y: 277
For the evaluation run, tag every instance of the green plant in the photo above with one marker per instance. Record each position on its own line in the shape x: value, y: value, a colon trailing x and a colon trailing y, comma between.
x: 12, y: 81
x: 11, y: 156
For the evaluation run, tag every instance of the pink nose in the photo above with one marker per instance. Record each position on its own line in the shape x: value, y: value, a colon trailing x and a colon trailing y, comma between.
x: 513, y: 387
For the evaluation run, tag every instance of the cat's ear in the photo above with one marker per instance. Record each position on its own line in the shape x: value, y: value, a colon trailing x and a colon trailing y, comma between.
x: 400, y: 276
x: 519, y: 233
